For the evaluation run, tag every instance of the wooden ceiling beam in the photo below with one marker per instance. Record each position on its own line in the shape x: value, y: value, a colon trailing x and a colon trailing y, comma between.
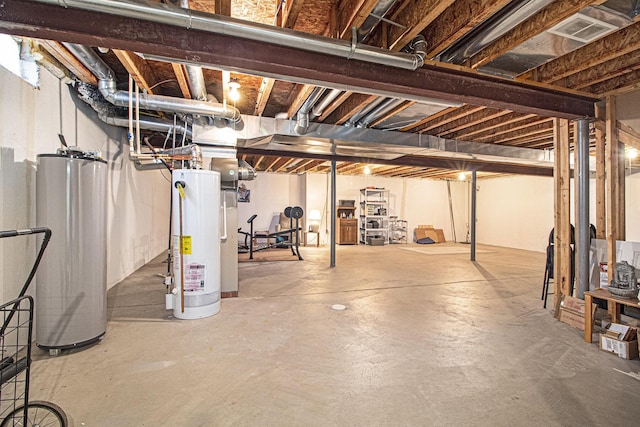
x: 456, y: 21
x: 283, y: 166
x: 181, y: 76
x: 141, y: 72
x: 289, y: 13
x: 58, y: 51
x: 545, y: 127
x: 266, y: 86
x: 590, y: 55
x: 353, y: 14
x: 494, y: 134
x: 543, y: 135
x: 625, y: 83
x: 603, y: 72
x: 303, y: 94
x: 272, y: 163
x: 413, y: 20
x: 490, y: 126
x: 546, y: 18
x: 256, y: 166
x: 452, y: 115
x: 300, y: 166
x: 430, y: 118
x: 261, y: 57
x: 223, y: 7
x: 472, y: 120
x: 349, y: 107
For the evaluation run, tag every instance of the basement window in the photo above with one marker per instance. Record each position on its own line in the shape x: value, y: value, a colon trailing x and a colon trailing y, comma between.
x: 22, y: 65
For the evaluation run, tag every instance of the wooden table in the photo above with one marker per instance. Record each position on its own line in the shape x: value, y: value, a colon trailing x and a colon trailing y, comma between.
x: 614, y: 304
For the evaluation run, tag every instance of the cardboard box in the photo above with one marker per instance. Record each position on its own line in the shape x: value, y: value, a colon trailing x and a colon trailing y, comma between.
x: 572, y: 311
x: 621, y: 340
x: 437, y: 235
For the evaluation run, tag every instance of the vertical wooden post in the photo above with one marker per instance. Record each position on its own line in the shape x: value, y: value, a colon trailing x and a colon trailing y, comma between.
x: 620, y: 192
x: 562, y: 182
x: 612, y: 163
x: 601, y: 224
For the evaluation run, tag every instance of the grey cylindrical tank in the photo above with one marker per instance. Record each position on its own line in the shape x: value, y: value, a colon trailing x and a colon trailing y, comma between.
x: 71, y: 302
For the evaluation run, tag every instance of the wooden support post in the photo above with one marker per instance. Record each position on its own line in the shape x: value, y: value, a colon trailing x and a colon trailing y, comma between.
x: 562, y: 242
x: 612, y: 164
x: 601, y: 224
x: 620, y: 192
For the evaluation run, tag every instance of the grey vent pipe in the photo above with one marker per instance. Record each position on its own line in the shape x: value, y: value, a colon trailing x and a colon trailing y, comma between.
x: 196, y: 82
x: 218, y: 24
x: 383, y: 108
x: 245, y: 171
x: 353, y: 120
x: 108, y: 89
x: 194, y: 73
x: 319, y: 108
x: 302, y: 123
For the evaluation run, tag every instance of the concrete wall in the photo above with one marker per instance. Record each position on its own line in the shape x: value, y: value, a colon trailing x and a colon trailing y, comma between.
x: 138, y: 202
x: 417, y: 201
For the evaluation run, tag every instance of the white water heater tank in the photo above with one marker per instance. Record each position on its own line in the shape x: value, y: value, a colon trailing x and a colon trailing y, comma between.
x: 196, y: 230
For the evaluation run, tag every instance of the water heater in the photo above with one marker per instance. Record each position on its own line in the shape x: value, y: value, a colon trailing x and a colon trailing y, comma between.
x: 196, y: 230
x: 71, y: 285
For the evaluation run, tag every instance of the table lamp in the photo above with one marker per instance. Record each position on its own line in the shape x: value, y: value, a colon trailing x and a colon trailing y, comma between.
x: 314, y: 218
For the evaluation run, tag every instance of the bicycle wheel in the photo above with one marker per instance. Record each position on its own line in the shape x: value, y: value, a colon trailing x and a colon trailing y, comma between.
x: 39, y: 414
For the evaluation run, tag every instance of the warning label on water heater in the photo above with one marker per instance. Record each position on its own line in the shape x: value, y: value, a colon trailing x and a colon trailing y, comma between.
x: 194, y: 277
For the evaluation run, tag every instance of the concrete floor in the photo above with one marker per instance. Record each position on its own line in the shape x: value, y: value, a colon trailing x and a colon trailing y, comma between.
x: 425, y: 340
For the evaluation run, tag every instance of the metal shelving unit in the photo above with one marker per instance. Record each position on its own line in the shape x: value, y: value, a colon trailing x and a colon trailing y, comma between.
x: 374, y: 218
x: 397, y: 230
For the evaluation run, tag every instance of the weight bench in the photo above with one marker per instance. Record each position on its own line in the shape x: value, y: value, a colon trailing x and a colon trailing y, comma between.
x: 292, y: 232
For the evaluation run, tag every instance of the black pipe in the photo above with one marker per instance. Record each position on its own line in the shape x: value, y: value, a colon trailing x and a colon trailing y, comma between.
x: 473, y: 214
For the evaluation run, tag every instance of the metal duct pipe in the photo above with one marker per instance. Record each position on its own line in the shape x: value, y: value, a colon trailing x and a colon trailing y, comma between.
x: 302, y: 123
x: 148, y: 123
x: 374, y: 18
x: 196, y: 82
x: 319, y: 108
x: 353, y: 120
x: 195, y: 75
x: 218, y: 24
x: 108, y: 89
x: 383, y: 108
x: 246, y: 172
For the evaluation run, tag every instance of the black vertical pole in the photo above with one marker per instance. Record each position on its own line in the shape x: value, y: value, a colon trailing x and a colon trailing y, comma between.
x: 333, y: 214
x: 473, y: 215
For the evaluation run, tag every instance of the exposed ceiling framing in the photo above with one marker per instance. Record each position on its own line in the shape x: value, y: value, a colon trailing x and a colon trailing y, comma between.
x: 277, y: 80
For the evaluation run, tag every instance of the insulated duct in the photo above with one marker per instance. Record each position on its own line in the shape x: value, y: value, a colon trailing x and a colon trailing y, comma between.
x: 218, y: 24
x: 113, y: 115
x: 108, y: 89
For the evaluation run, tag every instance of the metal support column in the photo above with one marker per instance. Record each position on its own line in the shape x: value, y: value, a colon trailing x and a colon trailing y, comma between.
x: 333, y: 210
x: 582, y: 214
x: 473, y: 215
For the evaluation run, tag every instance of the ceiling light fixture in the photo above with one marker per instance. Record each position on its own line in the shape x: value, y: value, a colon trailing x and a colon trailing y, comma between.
x: 367, y: 170
x: 234, y: 93
x: 462, y: 176
x: 632, y: 153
